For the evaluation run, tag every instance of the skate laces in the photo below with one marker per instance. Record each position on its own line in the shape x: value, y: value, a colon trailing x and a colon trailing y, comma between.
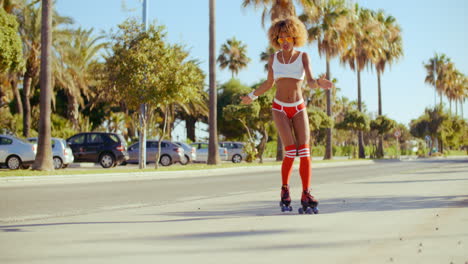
x: 306, y: 196
x: 284, y: 192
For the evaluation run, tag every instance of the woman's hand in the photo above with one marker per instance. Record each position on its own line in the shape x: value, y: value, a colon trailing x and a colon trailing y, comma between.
x: 246, y: 99
x: 324, y: 83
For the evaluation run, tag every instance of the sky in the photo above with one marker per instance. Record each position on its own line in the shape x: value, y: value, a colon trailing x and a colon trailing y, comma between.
x: 428, y: 26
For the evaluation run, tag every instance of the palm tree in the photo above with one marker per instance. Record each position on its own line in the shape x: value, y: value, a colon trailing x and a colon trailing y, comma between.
x: 454, y: 86
x: 435, y: 73
x: 329, y: 30
x: 10, y: 5
x: 213, y: 155
x: 29, y: 21
x: 265, y: 55
x: 281, y: 8
x: 233, y: 56
x: 390, y: 49
x: 44, y: 150
x: 30, y: 32
x: 360, y: 51
x: 72, y: 70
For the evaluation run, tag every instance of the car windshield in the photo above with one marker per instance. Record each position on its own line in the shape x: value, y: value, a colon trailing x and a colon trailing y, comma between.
x: 24, y: 140
x: 118, y: 139
x: 182, y: 144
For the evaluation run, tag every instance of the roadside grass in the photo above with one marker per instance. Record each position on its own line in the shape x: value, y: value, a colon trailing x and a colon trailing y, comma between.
x: 456, y: 153
x: 149, y: 168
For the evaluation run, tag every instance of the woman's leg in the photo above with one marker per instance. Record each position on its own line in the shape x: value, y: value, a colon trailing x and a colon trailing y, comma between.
x: 302, y: 131
x: 283, y: 124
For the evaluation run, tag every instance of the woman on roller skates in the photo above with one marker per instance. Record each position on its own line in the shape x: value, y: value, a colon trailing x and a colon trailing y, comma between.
x: 287, y: 69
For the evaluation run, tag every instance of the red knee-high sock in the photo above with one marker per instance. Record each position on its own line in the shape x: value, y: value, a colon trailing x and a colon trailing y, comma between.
x: 305, y: 166
x: 288, y: 161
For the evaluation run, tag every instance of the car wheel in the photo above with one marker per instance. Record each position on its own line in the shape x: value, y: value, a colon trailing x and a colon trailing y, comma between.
x: 58, y: 164
x: 107, y: 160
x: 165, y: 160
x: 185, y: 160
x: 236, y: 158
x: 13, y: 162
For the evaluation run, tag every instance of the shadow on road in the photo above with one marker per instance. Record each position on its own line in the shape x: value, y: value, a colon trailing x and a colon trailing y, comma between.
x: 389, y: 203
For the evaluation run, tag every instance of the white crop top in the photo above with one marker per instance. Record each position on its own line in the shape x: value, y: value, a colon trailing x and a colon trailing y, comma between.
x: 293, y: 70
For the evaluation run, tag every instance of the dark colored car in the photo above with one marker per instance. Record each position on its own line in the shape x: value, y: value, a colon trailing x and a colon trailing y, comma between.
x: 107, y: 149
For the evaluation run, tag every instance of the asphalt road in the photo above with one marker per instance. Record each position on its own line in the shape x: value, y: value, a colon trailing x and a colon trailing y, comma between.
x: 19, y: 203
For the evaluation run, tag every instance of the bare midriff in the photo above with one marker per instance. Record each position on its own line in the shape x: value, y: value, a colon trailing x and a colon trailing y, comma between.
x: 288, y: 90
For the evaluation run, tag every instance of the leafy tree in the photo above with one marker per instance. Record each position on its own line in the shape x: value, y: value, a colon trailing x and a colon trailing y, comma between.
x: 431, y: 124
x: 255, y: 119
x: 355, y: 121
x: 243, y: 114
x: 144, y: 68
x: 319, y: 121
x: 262, y: 123
x: 453, y: 130
x: 229, y: 92
x: 11, y: 54
x: 381, y: 125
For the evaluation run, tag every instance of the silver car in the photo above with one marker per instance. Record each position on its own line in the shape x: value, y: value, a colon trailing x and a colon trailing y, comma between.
x: 170, y: 152
x: 16, y: 153
x: 61, y: 152
x: 190, y: 153
x: 235, y: 151
x: 202, y: 152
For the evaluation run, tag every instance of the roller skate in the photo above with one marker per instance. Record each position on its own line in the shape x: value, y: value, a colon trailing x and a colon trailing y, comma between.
x: 309, y: 204
x: 285, y: 202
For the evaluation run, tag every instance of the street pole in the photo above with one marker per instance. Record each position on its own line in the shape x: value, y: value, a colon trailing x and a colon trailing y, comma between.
x: 142, y: 149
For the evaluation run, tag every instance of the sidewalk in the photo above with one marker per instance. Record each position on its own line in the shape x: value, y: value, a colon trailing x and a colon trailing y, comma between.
x: 415, y: 217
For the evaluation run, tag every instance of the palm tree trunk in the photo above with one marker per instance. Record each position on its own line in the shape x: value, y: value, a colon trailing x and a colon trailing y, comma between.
x: 190, y: 123
x: 2, y: 94
x: 44, y: 160
x: 213, y: 155
x: 161, y: 138
x: 279, y: 149
x: 328, y: 148
x: 73, y: 110
x: 26, y: 103
x: 17, y: 95
x: 380, y: 152
x: 262, y: 146
x: 362, y: 153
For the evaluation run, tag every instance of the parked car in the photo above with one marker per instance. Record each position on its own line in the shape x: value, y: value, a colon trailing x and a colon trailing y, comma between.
x: 16, y: 153
x: 235, y: 151
x: 170, y: 152
x: 61, y: 152
x: 190, y: 153
x: 107, y: 149
x: 202, y: 151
